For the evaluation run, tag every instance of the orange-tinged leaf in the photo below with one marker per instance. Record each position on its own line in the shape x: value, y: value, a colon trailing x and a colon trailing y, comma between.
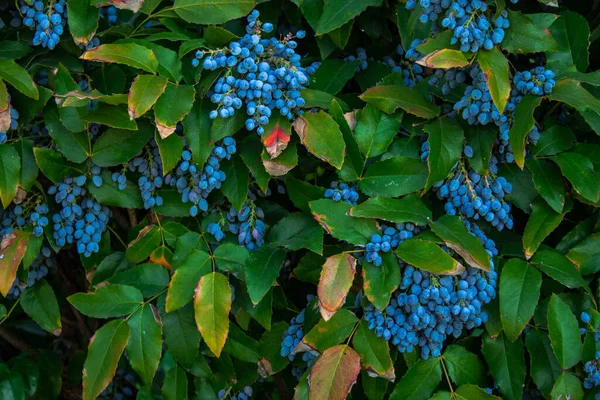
x: 162, y: 256
x: 211, y: 308
x: 4, y: 108
x: 336, y: 279
x: 12, y: 250
x: 334, y: 373
x: 145, y: 91
x: 277, y: 135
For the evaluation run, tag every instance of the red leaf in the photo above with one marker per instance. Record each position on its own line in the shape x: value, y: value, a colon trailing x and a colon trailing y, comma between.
x: 277, y: 135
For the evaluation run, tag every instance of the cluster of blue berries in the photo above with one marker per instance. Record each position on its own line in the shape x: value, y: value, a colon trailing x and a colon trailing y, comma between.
x: 431, y: 308
x: 476, y: 105
x: 38, y: 270
x: 473, y: 31
x: 293, y: 336
x: 48, y: 21
x: 539, y: 81
x: 478, y: 197
x: 110, y: 13
x: 248, y: 225
x: 30, y: 213
x: 80, y: 219
x: 123, y: 386
x: 245, y: 394
x: 215, y: 229
x: 261, y: 74
x: 452, y: 79
x: 14, y: 124
x: 194, y: 184
x: 412, y: 73
x: 591, y: 367
x: 391, y: 238
x: 151, y: 179
x: 342, y: 192
x: 361, y: 56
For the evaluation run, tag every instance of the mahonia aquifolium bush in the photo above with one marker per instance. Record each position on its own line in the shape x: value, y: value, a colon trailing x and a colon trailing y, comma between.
x: 289, y: 199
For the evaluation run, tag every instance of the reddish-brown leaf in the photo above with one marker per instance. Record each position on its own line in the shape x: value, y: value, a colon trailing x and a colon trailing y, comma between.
x: 333, y: 374
x: 277, y: 135
x: 12, y: 250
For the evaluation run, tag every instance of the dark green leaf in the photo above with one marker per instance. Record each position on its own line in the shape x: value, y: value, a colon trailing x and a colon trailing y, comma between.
x: 374, y: 352
x: 564, y: 333
x: 108, y: 301
x: 580, y: 172
x: 506, y: 362
x: 235, y: 186
x: 524, y: 36
x: 39, y: 302
x: 333, y: 217
x: 544, y: 369
x: 297, y: 231
x: 9, y: 174
x: 375, y: 131
x: 332, y: 75
x: 149, y: 278
x: 388, y: 98
x: 337, y: 12
x: 542, y: 222
x: 463, y: 366
x: 524, y: 123
x: 262, y: 268
x: 394, y: 177
x: 144, y: 348
x: 322, y: 137
x: 428, y: 256
x: 548, y: 182
x: 380, y: 282
x: 420, y: 381
x: 445, y: 148
x: 212, y: 12
x: 147, y: 241
x: 130, y: 54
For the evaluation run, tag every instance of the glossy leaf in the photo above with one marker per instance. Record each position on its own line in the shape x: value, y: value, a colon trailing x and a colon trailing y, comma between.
x: 420, y: 381
x: 335, y: 282
x: 445, y: 148
x: 580, y: 172
x: 495, y: 67
x: 144, y: 347
x: 326, y: 334
x: 506, y: 364
x: 297, y: 231
x: 544, y: 369
x: 375, y: 131
x: 388, y: 98
x: 130, y: 54
x: 428, y: 256
x: 564, y: 333
x: 262, y: 268
x: 210, y: 12
x: 394, y: 177
x: 322, y: 137
x: 9, y: 174
x: 542, y: 222
x: 463, y: 366
x: 374, y: 352
x: 548, y: 182
x: 519, y: 131
x: 333, y: 217
x: 145, y: 91
x: 519, y: 293
x: 380, y: 282
x: 211, y: 308
x: 407, y: 209
x: 108, y: 301
x: 12, y: 250
x: 39, y: 302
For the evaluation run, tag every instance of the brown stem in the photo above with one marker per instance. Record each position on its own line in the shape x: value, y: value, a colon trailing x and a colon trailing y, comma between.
x: 14, y: 340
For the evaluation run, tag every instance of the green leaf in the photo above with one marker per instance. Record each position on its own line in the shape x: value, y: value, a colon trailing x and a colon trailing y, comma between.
x: 548, y: 182
x: 190, y: 265
x: 463, y: 366
x: 586, y: 255
x: 301, y: 192
x: 241, y: 346
x: 175, y: 385
x: 12, y: 385
x: 455, y: 235
x: 574, y: 94
x: 374, y: 352
x: 262, y: 268
x: 519, y: 294
x: 170, y: 151
x: 333, y: 217
x: 420, y: 381
x: 250, y: 151
x: 109, y: 266
x: 9, y: 174
x: 320, y: 134
x: 83, y: 21
x: 150, y: 279
x: 388, y: 98
x: 109, y: 193
x: 524, y: 36
x: 181, y: 334
x: 353, y: 160
x: 212, y: 12
x: 380, y: 282
x: 428, y: 256
x: 506, y: 362
x: 231, y: 257
x: 104, y: 352
x: 297, y: 231
x: 555, y: 139
x: 108, y: 301
x: 145, y: 91
x: 337, y: 12
x: 12, y: 49
x: 54, y: 166
x: 394, y: 177
x: 523, y: 188
x: 334, y: 373
x: 520, y: 130
x: 312, y: 11
x: 495, y: 67
x: 544, y: 368
x: 147, y: 241
x: 211, y: 308
x: 559, y: 268
x: 172, y: 106
x: 326, y: 334
x: 341, y: 35
x: 445, y: 148
x: 39, y: 302
x: 542, y: 222
x: 196, y: 129
x: 468, y: 392
x: 144, y: 348
x: 29, y: 168
x: 73, y: 145
x: 375, y: 131
x: 407, y: 209
x: 19, y: 78
x: 481, y: 138
x: 332, y: 75
x: 580, y: 172
x: 235, y: 187
x: 269, y: 348
x: 564, y: 332
x: 113, y: 116
x: 335, y: 282
x: 572, y: 33
x: 568, y: 386
x: 131, y: 54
